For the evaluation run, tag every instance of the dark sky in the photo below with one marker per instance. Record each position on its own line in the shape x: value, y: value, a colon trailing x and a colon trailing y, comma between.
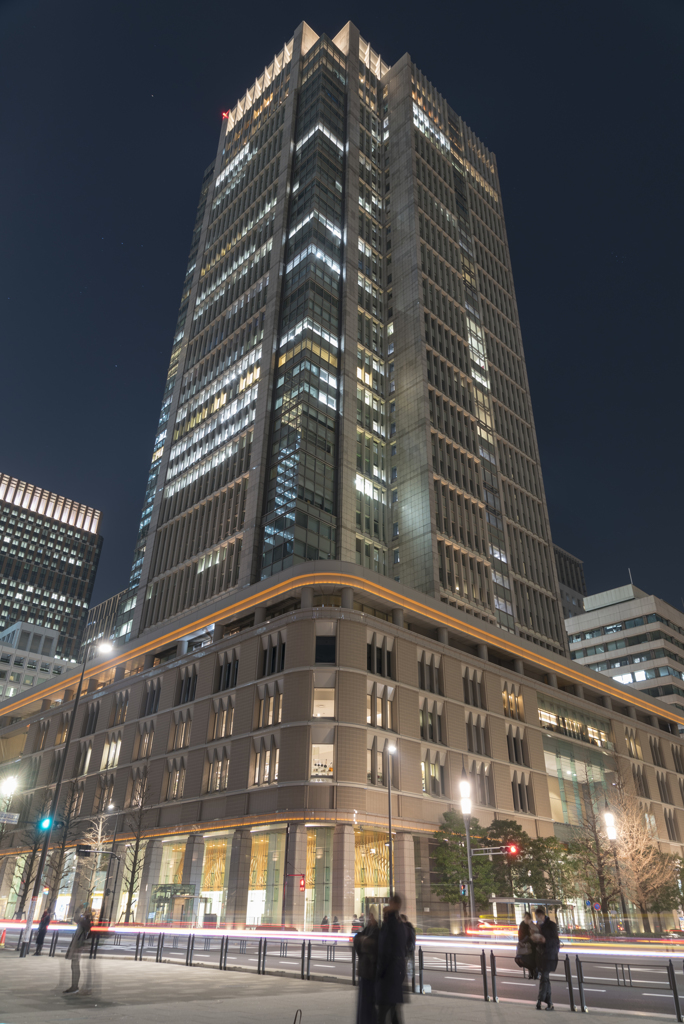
x: 110, y: 112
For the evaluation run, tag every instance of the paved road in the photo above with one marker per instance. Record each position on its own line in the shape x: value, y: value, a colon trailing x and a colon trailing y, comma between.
x: 641, y: 986
x: 119, y: 991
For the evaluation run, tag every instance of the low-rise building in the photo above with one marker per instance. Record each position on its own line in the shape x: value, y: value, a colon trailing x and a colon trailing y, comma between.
x: 260, y: 735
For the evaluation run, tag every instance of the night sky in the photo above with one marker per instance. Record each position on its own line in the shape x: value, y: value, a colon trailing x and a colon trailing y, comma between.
x: 111, y: 111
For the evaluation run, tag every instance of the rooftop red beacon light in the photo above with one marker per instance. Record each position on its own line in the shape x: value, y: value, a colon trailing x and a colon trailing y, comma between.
x: 225, y: 115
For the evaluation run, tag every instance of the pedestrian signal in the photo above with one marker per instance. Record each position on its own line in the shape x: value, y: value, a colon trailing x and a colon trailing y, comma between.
x: 302, y: 884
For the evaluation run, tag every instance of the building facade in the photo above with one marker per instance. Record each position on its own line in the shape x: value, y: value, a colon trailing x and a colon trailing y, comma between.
x: 27, y: 658
x: 255, y: 743
x: 347, y: 378
x: 573, y: 588
x: 49, y: 552
x: 635, y: 638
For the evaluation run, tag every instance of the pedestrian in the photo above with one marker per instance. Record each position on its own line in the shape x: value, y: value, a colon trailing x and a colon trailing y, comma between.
x: 391, y: 970
x: 525, y: 953
x: 410, y: 960
x: 366, y: 949
x: 325, y: 924
x: 336, y: 924
x: 73, y: 953
x: 548, y: 946
x: 42, y: 929
x: 356, y: 925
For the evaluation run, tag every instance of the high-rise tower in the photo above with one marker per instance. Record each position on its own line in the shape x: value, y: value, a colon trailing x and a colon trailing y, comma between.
x: 347, y: 378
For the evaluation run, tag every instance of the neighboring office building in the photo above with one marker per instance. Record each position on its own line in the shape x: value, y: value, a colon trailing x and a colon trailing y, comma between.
x: 102, y: 620
x: 27, y: 658
x: 347, y: 379
x: 573, y: 588
x: 49, y: 553
x: 634, y: 637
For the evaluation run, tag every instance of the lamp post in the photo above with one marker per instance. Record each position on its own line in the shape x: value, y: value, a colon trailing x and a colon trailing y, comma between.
x: 611, y: 833
x: 49, y: 820
x: 391, y: 750
x: 111, y: 809
x: 466, y: 811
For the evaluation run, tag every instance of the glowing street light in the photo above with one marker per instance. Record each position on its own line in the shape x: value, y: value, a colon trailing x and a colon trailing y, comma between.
x: 391, y: 750
x: 611, y: 834
x: 466, y: 811
x: 8, y: 786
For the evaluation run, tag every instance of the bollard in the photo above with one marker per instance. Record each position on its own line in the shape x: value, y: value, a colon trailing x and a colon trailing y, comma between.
x: 221, y: 950
x: 492, y: 964
x: 53, y: 944
x: 673, y: 984
x: 413, y: 971
x: 303, y: 956
x: 190, y: 949
x: 259, y: 957
x: 483, y: 968
x: 568, y: 978
x: 263, y: 957
x: 420, y: 970
x: 308, y: 962
x: 580, y: 984
x: 137, y: 943
x: 353, y: 954
x: 160, y: 947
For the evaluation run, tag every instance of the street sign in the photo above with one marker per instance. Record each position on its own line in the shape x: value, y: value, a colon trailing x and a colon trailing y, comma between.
x: 8, y: 819
x: 82, y: 850
x: 588, y: 902
x: 597, y: 906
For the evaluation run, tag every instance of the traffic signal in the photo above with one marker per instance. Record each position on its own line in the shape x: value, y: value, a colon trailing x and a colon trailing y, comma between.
x: 302, y: 884
x: 464, y: 888
x: 513, y: 849
x: 44, y: 824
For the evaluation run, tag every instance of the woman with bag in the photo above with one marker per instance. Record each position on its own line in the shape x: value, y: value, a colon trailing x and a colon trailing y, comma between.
x: 525, y: 953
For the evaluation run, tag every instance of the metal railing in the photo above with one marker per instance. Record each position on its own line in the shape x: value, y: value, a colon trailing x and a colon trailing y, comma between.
x: 335, y: 957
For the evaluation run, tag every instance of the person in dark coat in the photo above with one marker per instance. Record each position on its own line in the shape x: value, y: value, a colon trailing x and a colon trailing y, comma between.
x: 410, y: 959
x: 83, y: 925
x: 325, y: 923
x: 548, y: 947
x: 336, y: 927
x: 42, y: 929
x: 391, y: 971
x: 525, y: 955
x: 366, y: 949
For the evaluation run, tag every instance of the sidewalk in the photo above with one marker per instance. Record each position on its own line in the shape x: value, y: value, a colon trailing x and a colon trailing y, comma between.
x: 126, y: 992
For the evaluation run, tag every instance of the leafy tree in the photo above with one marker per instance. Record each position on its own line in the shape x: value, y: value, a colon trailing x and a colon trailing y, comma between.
x: 508, y: 872
x: 548, y: 868
x: 591, y: 862
x: 452, y: 860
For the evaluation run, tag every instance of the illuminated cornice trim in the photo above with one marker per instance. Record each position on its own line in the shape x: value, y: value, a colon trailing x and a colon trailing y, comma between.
x: 359, y: 583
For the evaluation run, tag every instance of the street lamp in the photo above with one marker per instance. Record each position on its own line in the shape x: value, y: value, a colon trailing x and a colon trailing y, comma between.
x: 103, y: 648
x: 111, y: 809
x: 611, y: 833
x: 391, y: 749
x: 8, y: 786
x: 466, y: 811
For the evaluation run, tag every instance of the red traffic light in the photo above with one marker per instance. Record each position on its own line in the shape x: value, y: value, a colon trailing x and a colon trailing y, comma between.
x: 513, y: 849
x: 302, y: 884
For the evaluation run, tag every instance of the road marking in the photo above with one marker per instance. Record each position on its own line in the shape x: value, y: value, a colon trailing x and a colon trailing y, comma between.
x: 659, y: 995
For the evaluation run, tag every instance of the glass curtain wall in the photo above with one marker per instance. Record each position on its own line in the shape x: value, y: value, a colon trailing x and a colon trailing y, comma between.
x: 299, y: 523
x: 371, y: 871
x: 266, y: 877
x: 318, y: 877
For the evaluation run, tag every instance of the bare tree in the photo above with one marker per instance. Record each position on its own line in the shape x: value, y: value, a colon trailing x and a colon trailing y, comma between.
x: 98, y: 838
x: 57, y: 871
x: 649, y: 876
x: 138, y: 825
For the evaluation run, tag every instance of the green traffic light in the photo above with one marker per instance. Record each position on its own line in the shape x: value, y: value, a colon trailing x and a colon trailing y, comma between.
x: 45, y: 824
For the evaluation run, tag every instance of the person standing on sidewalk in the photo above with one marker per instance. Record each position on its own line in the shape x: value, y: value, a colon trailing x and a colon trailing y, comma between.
x: 366, y: 949
x: 73, y: 953
x: 391, y: 970
x: 42, y: 929
x: 548, y: 947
